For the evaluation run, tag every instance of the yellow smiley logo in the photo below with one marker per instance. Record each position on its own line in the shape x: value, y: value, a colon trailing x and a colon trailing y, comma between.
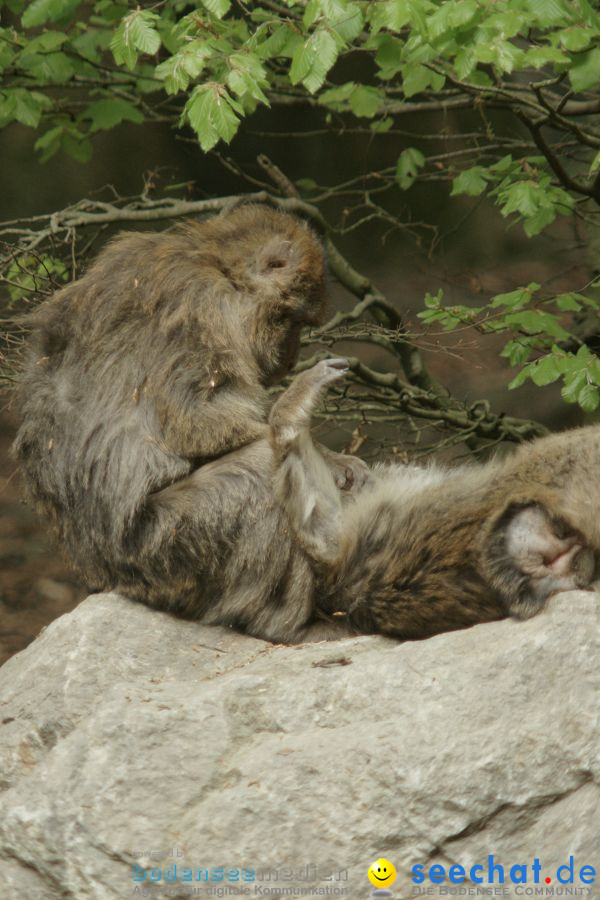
x: 382, y: 873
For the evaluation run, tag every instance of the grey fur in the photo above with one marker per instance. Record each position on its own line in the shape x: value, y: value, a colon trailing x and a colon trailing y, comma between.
x: 144, y: 419
x: 421, y: 551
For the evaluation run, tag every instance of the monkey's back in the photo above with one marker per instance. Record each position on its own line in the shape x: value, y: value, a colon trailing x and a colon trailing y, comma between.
x: 408, y: 564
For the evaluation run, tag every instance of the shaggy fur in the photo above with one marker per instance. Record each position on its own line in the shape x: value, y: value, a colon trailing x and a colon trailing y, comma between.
x: 144, y: 418
x: 422, y: 551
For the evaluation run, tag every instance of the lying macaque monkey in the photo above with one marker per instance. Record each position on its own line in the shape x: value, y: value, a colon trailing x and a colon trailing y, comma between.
x: 426, y: 550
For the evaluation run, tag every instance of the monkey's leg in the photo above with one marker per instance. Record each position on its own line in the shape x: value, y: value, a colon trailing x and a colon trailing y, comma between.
x: 534, y: 555
x: 304, y: 485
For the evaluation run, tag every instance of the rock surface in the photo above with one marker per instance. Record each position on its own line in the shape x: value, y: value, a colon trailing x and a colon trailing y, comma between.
x: 125, y: 731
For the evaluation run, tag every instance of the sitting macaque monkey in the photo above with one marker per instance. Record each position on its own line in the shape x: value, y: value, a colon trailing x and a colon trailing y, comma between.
x: 425, y: 550
x: 144, y: 403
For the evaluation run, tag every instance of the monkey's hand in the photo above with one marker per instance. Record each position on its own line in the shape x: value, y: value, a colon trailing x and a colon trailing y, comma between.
x: 292, y: 411
x: 350, y: 473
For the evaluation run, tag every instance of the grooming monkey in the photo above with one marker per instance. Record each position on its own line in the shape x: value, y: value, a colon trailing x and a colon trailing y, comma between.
x: 145, y: 441
x: 144, y: 435
x: 425, y: 550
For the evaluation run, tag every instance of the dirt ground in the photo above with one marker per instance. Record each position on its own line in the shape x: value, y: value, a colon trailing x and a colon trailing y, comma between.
x: 36, y: 585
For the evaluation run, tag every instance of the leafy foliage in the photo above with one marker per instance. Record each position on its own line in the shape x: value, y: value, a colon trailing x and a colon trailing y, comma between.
x: 70, y: 70
x: 34, y: 274
x: 540, y: 337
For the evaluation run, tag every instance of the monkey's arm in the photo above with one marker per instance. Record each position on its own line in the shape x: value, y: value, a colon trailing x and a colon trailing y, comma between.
x: 304, y: 483
x: 203, y: 425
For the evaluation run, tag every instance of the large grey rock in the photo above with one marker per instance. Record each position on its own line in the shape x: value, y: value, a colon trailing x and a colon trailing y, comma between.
x: 125, y: 731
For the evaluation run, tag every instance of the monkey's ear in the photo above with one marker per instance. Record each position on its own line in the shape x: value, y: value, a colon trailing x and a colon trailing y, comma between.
x: 276, y: 254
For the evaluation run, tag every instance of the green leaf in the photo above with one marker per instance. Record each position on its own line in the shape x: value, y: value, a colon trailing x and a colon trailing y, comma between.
x: 502, y: 54
x: 185, y: 66
x: 415, y: 78
x: 576, y: 38
x: 24, y: 106
x: 463, y: 12
x: 381, y: 126
x: 480, y: 78
x: 244, y: 85
x: 211, y: 113
x: 515, y: 299
x: 136, y: 33
x: 337, y: 98
x: 366, y: 101
x: 224, y: 119
x: 520, y: 378
x: 389, y: 55
x: 433, y: 301
x: 34, y: 273
x: 76, y: 145
x: 123, y: 53
x: 585, y: 72
x: 141, y: 32
x: 545, y: 370
x: 392, y: 14
x: 537, y: 57
x: 517, y: 351
x: 568, y: 302
x: 91, y: 43
x: 275, y: 43
x: 326, y: 53
x: 548, y: 12
x: 49, y: 143
x: 41, y: 11
x: 198, y: 110
x: 44, y: 42
x: 302, y: 61
x: 348, y: 23
x: 407, y: 169
x: 521, y: 197
x: 464, y: 62
x: 450, y: 17
x: 534, y: 224
x: 54, y: 68
x: 106, y: 114
x: 533, y: 321
x: 312, y: 12
x: 471, y: 181
x: 503, y: 165
x: 247, y: 76
x: 593, y: 370
x: 589, y: 398
x: 218, y: 8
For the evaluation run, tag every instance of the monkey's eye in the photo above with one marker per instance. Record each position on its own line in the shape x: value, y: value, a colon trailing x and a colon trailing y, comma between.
x: 276, y: 264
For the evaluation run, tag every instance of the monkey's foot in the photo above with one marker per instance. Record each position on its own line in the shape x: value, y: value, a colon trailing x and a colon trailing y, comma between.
x: 292, y: 412
x: 350, y: 473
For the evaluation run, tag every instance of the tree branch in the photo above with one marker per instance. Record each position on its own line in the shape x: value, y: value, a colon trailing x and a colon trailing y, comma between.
x: 418, y: 394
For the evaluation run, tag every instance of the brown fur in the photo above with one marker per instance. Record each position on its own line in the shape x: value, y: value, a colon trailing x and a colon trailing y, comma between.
x: 422, y: 551
x: 144, y: 418
x: 144, y: 439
